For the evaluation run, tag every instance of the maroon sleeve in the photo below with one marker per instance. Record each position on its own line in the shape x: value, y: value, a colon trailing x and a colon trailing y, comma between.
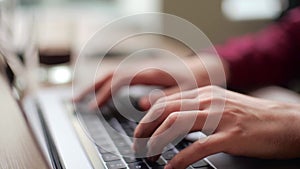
x: 271, y: 56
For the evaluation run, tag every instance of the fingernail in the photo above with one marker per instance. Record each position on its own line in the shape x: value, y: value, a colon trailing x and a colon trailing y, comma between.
x: 168, y: 166
x: 144, y: 103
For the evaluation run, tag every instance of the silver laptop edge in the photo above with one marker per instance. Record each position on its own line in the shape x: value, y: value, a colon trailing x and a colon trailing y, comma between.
x: 66, y: 140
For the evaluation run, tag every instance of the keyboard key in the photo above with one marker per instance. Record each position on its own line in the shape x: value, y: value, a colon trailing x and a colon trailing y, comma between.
x: 129, y: 131
x: 158, y: 167
x: 102, y: 142
x: 160, y: 161
x: 110, y: 157
x: 168, y: 155
x: 138, y: 165
x: 169, y: 147
x: 126, y: 150
x: 131, y: 159
x: 199, y: 164
x: 115, y: 125
x: 121, y: 143
x: 115, y: 136
x: 100, y: 137
x: 107, y: 149
x: 182, y: 145
x: 118, y: 164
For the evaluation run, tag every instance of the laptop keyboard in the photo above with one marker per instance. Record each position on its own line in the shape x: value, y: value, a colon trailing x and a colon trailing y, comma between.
x: 110, y: 135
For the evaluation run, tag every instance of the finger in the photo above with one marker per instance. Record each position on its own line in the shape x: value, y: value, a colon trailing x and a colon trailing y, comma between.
x: 157, y: 114
x: 102, y: 96
x: 198, y: 150
x: 206, y: 96
x: 113, y: 84
x: 203, y: 92
x: 174, y: 128
x: 146, y: 101
x: 190, y: 94
x: 94, y: 87
x: 150, y: 77
x: 160, y: 111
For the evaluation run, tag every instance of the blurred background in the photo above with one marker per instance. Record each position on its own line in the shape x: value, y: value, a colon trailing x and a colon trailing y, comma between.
x: 74, y: 20
x: 50, y: 33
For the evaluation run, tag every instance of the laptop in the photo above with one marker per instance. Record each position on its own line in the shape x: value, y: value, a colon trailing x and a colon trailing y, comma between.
x: 72, y: 137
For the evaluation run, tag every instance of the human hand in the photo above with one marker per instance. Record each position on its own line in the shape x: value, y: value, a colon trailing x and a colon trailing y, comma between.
x: 247, y: 126
x: 171, y: 75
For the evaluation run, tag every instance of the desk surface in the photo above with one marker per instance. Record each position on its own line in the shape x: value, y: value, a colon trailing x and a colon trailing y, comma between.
x: 18, y: 148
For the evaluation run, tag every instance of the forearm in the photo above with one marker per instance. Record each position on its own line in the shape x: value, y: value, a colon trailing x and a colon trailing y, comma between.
x: 268, y: 57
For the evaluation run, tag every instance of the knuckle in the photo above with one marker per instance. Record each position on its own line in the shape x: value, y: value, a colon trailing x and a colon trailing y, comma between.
x: 211, y: 90
x: 211, y: 87
x: 211, y: 94
x: 172, y: 106
x: 217, y: 99
x: 203, y: 100
x: 199, y: 145
x: 161, y: 100
x: 204, y: 89
x: 215, y: 87
x: 169, y: 106
x: 157, y: 109
x: 207, y: 95
x: 197, y: 99
x: 155, y: 112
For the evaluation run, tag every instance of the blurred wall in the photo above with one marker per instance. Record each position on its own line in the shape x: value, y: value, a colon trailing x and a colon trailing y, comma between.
x: 208, y: 16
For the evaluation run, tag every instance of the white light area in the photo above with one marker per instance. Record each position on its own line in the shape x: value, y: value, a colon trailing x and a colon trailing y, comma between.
x: 132, y: 7
x: 138, y: 6
x: 238, y: 10
x: 59, y: 74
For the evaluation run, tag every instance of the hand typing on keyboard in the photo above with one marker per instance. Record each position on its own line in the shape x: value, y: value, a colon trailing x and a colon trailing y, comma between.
x: 237, y: 124
x: 174, y: 75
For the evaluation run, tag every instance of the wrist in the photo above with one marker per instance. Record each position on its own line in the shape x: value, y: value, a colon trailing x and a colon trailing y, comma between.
x: 209, y: 69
